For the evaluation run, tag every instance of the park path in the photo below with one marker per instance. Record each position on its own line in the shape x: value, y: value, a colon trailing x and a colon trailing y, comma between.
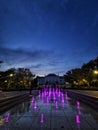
x: 90, y: 93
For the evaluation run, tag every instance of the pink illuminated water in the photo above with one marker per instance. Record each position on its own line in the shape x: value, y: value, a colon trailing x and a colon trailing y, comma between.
x: 77, y: 119
x: 56, y: 105
x: 62, y: 98
x: 59, y: 93
x: 35, y: 107
x: 54, y: 98
x: 32, y: 99
x: 42, y: 118
x: 39, y: 95
x: 66, y: 97
x: 47, y: 99
x: 7, y: 117
x: 78, y: 104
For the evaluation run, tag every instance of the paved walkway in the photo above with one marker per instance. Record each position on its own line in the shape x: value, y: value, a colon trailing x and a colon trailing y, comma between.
x: 50, y: 114
x: 6, y: 95
x: 87, y: 92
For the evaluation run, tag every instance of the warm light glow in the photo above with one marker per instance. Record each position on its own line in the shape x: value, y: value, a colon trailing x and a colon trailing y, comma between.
x: 5, y: 81
x: 95, y: 71
x: 84, y: 80
x: 11, y: 75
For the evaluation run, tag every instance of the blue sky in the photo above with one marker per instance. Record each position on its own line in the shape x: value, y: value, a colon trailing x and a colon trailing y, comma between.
x: 48, y: 36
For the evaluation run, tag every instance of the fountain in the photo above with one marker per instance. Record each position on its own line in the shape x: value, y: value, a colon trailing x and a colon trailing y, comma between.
x: 66, y: 97
x: 35, y: 107
x: 7, y: 117
x: 77, y: 119
x: 39, y: 94
x: 78, y: 104
x: 32, y: 99
x: 42, y: 118
x: 56, y: 105
x: 47, y: 99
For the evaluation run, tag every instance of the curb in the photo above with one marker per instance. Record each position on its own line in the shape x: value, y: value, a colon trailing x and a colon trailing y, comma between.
x: 92, y: 101
x: 6, y: 104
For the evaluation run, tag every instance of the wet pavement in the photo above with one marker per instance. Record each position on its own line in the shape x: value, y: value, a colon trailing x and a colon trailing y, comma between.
x: 50, y: 110
x: 6, y: 95
x: 90, y: 93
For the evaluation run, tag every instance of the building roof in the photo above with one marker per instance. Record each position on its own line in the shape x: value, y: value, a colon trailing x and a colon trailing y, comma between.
x: 51, y: 75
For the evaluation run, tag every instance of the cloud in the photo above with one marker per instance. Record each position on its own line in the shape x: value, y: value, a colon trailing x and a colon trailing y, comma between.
x: 18, y: 52
x: 39, y: 61
x: 36, y: 66
x: 25, y: 57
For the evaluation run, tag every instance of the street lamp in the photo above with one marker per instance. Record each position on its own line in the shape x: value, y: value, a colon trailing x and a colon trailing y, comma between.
x: 11, y: 75
x: 5, y: 81
x: 95, y: 71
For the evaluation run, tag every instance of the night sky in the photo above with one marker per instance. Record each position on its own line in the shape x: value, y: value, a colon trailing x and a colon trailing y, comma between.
x: 48, y: 36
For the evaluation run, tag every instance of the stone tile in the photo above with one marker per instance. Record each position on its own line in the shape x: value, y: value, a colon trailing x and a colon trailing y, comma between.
x: 38, y: 125
x: 60, y: 123
x: 23, y: 122
x: 24, y: 117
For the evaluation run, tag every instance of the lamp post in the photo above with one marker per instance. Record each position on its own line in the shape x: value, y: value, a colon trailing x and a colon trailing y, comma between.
x: 96, y: 73
x: 10, y: 76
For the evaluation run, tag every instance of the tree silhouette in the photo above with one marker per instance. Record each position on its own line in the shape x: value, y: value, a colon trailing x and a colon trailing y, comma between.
x: 84, y: 76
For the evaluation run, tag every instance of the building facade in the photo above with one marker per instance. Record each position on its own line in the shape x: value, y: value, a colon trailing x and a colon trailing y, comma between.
x: 51, y: 79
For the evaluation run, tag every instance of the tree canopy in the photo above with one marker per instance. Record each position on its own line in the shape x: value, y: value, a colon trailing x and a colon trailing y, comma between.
x: 84, y: 76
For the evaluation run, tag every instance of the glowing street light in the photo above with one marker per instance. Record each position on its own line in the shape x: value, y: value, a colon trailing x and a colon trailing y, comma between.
x: 5, y: 81
x: 95, y: 71
x: 11, y: 75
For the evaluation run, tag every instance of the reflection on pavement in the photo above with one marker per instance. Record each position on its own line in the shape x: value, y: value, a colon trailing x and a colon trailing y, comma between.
x: 50, y: 109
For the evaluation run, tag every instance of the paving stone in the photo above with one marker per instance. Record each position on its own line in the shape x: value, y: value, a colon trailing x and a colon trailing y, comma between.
x: 24, y: 117
x: 38, y: 125
x: 60, y: 123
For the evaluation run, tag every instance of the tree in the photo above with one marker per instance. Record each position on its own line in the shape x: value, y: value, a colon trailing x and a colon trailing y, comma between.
x: 16, y: 79
x: 84, y: 76
x: 23, y: 78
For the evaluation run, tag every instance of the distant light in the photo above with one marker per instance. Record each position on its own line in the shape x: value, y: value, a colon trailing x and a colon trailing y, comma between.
x: 95, y: 71
x: 5, y: 81
x: 11, y: 75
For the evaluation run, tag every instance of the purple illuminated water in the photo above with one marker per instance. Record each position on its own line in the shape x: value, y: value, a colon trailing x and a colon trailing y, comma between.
x: 56, y: 105
x: 50, y: 109
x: 42, y: 118
x: 39, y: 94
x: 77, y: 119
x: 35, y: 107
x: 78, y: 104
x: 32, y: 99
x: 7, y: 117
x: 57, y: 97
